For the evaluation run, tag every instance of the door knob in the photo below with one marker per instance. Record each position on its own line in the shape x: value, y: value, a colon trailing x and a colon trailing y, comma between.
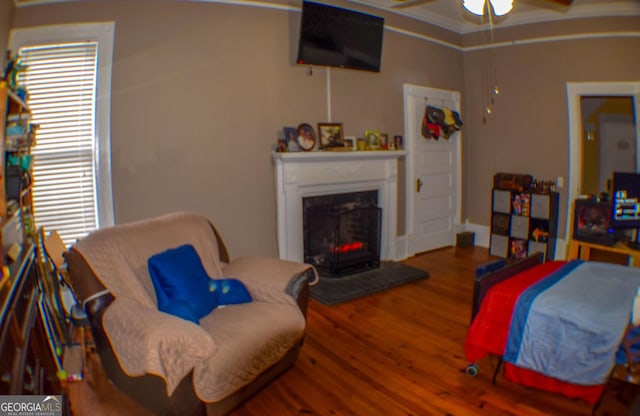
x: 419, y: 184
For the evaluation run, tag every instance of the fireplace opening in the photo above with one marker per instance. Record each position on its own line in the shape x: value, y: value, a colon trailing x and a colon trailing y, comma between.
x: 342, y: 232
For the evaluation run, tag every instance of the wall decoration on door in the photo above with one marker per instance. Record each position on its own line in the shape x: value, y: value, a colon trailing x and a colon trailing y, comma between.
x: 440, y: 122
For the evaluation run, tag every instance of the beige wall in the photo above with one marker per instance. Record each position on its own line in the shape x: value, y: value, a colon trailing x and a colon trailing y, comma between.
x: 201, y: 89
x: 528, y: 130
x: 6, y: 15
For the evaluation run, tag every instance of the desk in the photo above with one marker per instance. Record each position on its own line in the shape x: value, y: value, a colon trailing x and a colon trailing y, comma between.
x: 582, y: 250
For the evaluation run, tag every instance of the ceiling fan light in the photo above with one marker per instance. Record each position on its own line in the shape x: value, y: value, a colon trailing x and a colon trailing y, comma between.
x: 474, y: 6
x: 501, y: 7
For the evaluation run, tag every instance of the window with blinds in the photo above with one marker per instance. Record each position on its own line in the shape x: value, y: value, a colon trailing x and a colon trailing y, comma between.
x: 61, y: 82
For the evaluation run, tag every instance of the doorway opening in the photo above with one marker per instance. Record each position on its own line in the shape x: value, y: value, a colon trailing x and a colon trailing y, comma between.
x: 608, y: 141
x: 575, y: 91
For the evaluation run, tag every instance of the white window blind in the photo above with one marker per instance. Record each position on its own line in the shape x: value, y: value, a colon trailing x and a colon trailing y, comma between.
x: 61, y: 82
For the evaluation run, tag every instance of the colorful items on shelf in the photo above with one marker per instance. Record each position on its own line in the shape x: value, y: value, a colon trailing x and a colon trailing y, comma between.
x: 19, y: 134
x: 14, y: 68
x: 523, y: 219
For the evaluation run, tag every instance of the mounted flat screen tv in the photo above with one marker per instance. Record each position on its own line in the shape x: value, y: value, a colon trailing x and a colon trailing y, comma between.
x: 336, y: 37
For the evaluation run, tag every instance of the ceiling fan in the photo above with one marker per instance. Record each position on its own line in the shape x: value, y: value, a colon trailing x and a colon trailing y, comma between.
x: 478, y: 5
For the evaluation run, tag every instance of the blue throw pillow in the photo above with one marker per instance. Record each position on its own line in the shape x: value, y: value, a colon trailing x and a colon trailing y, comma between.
x: 230, y: 291
x: 183, y: 287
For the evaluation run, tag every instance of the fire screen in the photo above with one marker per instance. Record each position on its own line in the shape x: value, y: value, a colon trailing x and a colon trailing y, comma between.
x: 342, y: 232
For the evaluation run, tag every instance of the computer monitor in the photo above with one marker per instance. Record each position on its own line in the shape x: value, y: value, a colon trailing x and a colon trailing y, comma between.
x: 626, y: 200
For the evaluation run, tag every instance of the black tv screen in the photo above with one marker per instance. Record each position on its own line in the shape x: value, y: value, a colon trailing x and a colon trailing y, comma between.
x: 592, y: 222
x: 336, y: 37
x: 626, y: 200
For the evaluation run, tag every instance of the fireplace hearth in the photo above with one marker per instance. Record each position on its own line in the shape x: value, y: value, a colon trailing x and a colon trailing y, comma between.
x: 342, y: 232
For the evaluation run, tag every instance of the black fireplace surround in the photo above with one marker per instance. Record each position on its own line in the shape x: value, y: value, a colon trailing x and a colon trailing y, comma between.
x: 342, y: 232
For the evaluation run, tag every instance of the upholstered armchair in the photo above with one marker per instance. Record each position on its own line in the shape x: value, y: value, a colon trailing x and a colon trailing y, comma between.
x: 177, y: 357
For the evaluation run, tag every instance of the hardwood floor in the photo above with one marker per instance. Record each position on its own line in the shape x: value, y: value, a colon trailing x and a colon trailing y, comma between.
x: 395, y: 353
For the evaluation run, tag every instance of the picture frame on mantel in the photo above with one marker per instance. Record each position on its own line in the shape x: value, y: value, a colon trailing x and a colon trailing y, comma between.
x: 350, y: 142
x: 306, y: 137
x: 384, y: 141
x: 373, y: 138
x: 397, y: 139
x: 290, y: 138
x: 331, y: 135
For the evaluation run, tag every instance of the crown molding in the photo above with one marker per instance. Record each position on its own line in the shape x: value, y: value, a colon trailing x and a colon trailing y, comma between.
x: 465, y: 24
x: 27, y: 3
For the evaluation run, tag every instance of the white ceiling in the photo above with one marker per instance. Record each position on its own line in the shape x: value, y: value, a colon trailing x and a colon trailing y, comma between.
x: 450, y: 14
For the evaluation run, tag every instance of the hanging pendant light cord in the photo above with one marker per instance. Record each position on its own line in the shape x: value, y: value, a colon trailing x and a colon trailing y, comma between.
x: 490, y: 86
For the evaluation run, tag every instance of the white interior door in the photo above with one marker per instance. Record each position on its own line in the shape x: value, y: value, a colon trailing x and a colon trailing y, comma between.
x: 617, y: 149
x: 433, y: 178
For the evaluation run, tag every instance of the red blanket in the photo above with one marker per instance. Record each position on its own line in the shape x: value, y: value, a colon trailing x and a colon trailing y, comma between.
x: 490, y: 328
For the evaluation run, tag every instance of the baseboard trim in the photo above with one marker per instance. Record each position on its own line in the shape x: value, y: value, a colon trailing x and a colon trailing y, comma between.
x: 482, y: 233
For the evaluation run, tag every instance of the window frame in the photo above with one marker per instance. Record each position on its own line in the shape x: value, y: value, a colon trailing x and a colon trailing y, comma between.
x: 103, y: 33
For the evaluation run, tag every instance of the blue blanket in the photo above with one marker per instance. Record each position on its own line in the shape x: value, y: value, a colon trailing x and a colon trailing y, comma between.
x: 570, y: 324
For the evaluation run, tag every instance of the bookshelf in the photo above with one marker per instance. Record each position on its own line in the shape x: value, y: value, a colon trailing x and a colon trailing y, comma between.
x: 522, y: 223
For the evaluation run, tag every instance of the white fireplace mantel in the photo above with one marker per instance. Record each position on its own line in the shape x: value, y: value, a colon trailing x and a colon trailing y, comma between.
x: 304, y: 174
